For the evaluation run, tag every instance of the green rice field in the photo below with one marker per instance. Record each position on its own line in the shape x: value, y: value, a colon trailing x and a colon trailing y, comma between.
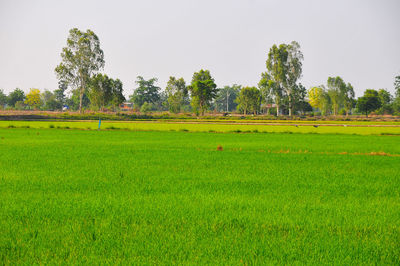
x: 162, y: 193
x: 202, y: 126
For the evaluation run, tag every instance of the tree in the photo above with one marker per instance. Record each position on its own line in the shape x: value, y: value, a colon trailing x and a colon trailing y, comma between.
x: 294, y: 71
x: 369, y: 102
x: 60, y: 93
x: 104, y: 91
x: 49, y: 101
x: 397, y: 86
x: 284, y: 65
x: 117, y: 93
x: 348, y: 98
x: 319, y: 98
x: 146, y: 91
x: 177, y: 94
x: 15, y: 96
x: 226, y: 96
x: 249, y: 100
x: 270, y: 91
x: 315, y: 95
x: 203, y: 90
x: 299, y: 99
x: 146, y: 107
x: 396, y: 102
x: 335, y: 88
x: 100, y: 91
x: 33, y: 98
x: 3, y: 99
x: 80, y: 60
x: 341, y: 94
x: 386, y: 100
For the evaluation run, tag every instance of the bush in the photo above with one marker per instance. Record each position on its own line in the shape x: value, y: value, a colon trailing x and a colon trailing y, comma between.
x: 146, y: 107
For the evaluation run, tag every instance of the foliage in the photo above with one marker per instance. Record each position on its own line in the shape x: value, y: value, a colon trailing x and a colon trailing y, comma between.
x: 33, y: 98
x: 81, y: 58
x: 270, y: 91
x: 100, y: 91
x: 203, y: 90
x: 16, y: 95
x: 146, y: 107
x: 315, y: 95
x: 49, y: 101
x: 74, y: 101
x: 177, y: 94
x: 249, y: 100
x: 397, y: 86
x: 60, y: 92
x: 226, y: 98
x: 3, y: 99
x: 340, y: 94
x: 284, y: 69
x: 386, y: 100
x: 117, y: 91
x: 146, y: 91
x: 369, y: 102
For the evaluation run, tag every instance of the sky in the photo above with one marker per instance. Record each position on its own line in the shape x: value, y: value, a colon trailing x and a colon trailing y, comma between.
x: 358, y: 40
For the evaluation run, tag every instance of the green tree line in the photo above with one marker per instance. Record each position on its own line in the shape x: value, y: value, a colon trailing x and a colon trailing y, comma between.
x: 278, y: 92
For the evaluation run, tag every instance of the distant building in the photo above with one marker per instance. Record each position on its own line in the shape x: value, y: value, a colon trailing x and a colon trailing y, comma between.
x: 126, y: 106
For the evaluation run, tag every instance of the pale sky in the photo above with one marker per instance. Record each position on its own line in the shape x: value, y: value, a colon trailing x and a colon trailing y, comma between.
x: 358, y: 40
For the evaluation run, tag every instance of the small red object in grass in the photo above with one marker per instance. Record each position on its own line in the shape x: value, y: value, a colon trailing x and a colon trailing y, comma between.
x: 219, y: 148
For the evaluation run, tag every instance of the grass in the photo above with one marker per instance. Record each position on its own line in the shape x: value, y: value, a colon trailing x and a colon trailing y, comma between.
x: 110, y: 197
x: 379, y: 129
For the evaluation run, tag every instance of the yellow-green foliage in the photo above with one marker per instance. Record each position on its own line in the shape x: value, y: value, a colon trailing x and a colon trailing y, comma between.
x: 33, y: 98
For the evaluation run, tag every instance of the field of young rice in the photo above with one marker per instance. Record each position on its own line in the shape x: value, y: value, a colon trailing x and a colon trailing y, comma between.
x: 162, y: 197
x: 367, y: 129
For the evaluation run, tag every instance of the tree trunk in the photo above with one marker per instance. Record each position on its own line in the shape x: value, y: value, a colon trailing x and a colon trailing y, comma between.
x: 80, y: 100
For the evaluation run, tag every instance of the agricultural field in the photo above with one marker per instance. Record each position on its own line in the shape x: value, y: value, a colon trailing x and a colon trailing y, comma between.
x: 174, y: 197
x: 387, y: 128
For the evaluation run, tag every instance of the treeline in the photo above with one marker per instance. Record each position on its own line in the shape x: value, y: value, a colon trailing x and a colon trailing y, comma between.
x: 278, y: 92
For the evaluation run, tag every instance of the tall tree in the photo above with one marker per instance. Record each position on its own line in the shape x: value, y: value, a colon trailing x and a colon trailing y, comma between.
x: 397, y: 86
x: 226, y: 96
x: 177, y: 94
x: 146, y: 91
x: 284, y: 68
x: 348, y: 98
x: 336, y: 87
x: 396, y: 101
x: 81, y: 58
x: 249, y: 100
x: 294, y: 71
x: 203, y: 90
x: 15, y: 96
x: 33, y: 98
x: 369, y: 102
